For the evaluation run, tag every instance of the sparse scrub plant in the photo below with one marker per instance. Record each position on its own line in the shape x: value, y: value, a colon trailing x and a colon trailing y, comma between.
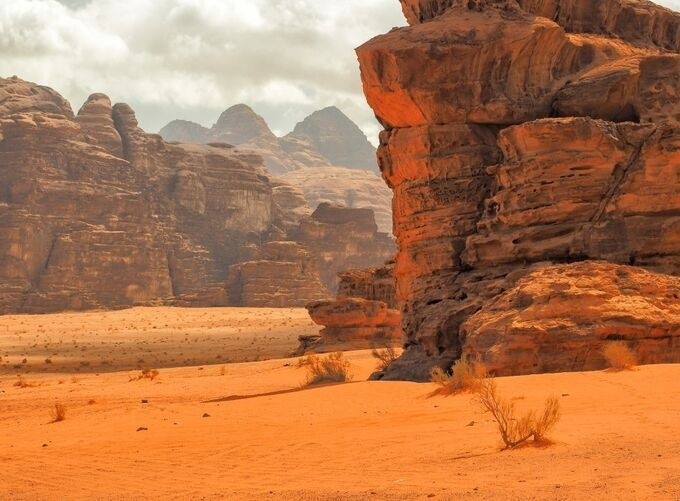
x: 150, y: 374
x: 466, y: 376
x: 304, y: 361
x: 384, y: 356
x: 619, y: 356
x: 58, y: 412
x: 514, y: 430
x: 331, y: 369
x: 21, y: 382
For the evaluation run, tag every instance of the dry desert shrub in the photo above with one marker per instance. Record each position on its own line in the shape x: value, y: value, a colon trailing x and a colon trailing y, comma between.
x: 150, y: 374
x: 58, y: 413
x: 331, y: 369
x: 384, y: 356
x: 619, y: 357
x: 514, y: 430
x: 465, y: 376
x: 23, y: 383
x: 304, y: 361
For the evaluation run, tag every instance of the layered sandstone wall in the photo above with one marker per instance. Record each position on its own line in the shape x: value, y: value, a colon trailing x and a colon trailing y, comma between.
x: 520, y: 133
x: 374, y: 284
x: 305, y: 268
x: 96, y: 213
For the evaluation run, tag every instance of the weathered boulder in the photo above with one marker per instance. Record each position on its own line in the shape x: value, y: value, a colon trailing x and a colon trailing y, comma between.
x: 363, y: 315
x: 560, y: 317
x: 354, y: 323
x: 519, y: 134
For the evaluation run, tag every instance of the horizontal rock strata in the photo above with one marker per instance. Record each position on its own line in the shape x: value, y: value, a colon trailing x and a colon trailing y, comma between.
x: 96, y: 213
x: 518, y: 134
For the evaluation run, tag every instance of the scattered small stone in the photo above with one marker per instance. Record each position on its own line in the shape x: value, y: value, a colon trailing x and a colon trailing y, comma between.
x: 44, y: 445
x: 145, y: 401
x: 141, y: 428
x: 566, y: 395
x: 471, y: 423
x: 205, y: 414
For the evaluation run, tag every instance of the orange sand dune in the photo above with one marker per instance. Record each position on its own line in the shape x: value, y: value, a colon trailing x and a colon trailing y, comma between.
x: 618, y: 438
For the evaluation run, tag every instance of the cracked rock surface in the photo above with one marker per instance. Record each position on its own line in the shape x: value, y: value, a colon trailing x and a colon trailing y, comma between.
x: 526, y: 141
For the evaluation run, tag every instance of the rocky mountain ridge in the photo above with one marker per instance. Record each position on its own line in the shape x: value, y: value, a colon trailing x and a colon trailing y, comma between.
x: 325, y: 138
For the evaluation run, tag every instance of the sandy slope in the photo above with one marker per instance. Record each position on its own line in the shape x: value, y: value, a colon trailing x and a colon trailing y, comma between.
x: 108, y: 341
x: 618, y: 438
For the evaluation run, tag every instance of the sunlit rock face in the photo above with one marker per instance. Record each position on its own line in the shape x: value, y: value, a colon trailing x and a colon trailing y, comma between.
x: 524, y: 134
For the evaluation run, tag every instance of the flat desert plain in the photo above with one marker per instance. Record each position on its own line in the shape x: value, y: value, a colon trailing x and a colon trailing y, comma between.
x: 209, y: 429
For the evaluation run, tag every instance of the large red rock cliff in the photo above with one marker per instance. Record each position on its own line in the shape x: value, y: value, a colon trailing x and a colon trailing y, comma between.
x: 524, y: 138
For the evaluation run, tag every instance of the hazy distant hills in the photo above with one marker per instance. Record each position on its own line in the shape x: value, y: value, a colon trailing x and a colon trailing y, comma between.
x: 325, y: 138
x: 327, y: 156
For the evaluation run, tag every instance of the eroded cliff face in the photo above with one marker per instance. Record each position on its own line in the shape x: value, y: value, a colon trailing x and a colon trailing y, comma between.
x: 94, y: 212
x: 521, y: 134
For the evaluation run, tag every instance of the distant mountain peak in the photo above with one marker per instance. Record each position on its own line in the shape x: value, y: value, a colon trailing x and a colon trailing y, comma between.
x: 337, y: 138
x: 240, y: 124
x: 326, y: 137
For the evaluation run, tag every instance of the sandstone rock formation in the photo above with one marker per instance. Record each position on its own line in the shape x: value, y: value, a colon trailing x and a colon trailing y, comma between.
x: 281, y: 274
x: 364, y: 314
x: 95, y: 212
x: 326, y: 156
x: 522, y: 132
x: 531, y: 327
x: 325, y: 138
x: 306, y: 267
x: 343, y: 239
x: 353, y: 323
x: 374, y: 284
x: 347, y: 187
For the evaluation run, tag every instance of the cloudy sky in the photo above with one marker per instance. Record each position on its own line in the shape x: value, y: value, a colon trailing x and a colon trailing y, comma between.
x: 192, y: 59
